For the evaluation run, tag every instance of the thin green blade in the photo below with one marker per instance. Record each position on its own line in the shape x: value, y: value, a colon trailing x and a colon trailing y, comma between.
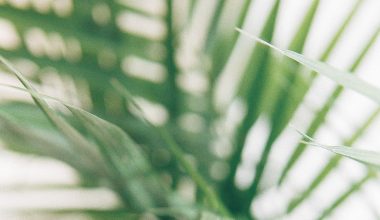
x: 320, y: 116
x: 333, y: 162
x: 341, y: 77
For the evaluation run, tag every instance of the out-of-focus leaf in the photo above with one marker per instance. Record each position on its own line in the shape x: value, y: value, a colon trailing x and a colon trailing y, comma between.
x: 78, y: 213
x: 177, y: 152
x: 214, y: 24
x: 104, y: 164
x: 114, y: 214
x: 125, y: 158
x: 42, y: 142
x: 222, y: 40
x: 252, y: 87
x: 172, y: 88
x: 100, y: 147
x: 82, y: 29
x: 211, y: 216
x: 284, y: 106
x: 334, y: 41
x: 346, y: 194
x: 83, y: 146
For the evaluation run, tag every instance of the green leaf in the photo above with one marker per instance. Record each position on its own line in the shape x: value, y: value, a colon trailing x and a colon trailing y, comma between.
x: 334, y: 41
x: 252, y: 90
x: 221, y: 39
x: 320, y: 116
x: 172, y: 88
x: 214, y: 25
x: 125, y: 159
x: 284, y: 106
x: 364, y: 156
x: 42, y: 141
x: 346, y: 194
x: 347, y: 80
x: 333, y: 162
x: 82, y: 145
x: 122, y: 148
x: 177, y: 152
x: 341, y: 77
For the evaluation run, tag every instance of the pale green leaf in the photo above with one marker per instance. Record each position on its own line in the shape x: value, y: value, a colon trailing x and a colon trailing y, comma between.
x: 340, y: 77
x: 364, y: 156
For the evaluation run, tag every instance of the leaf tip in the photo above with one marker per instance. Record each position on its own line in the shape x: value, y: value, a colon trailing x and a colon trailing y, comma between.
x: 259, y: 40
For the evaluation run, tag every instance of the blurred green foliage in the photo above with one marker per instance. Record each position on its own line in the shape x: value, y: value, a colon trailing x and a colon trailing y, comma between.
x: 115, y: 67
